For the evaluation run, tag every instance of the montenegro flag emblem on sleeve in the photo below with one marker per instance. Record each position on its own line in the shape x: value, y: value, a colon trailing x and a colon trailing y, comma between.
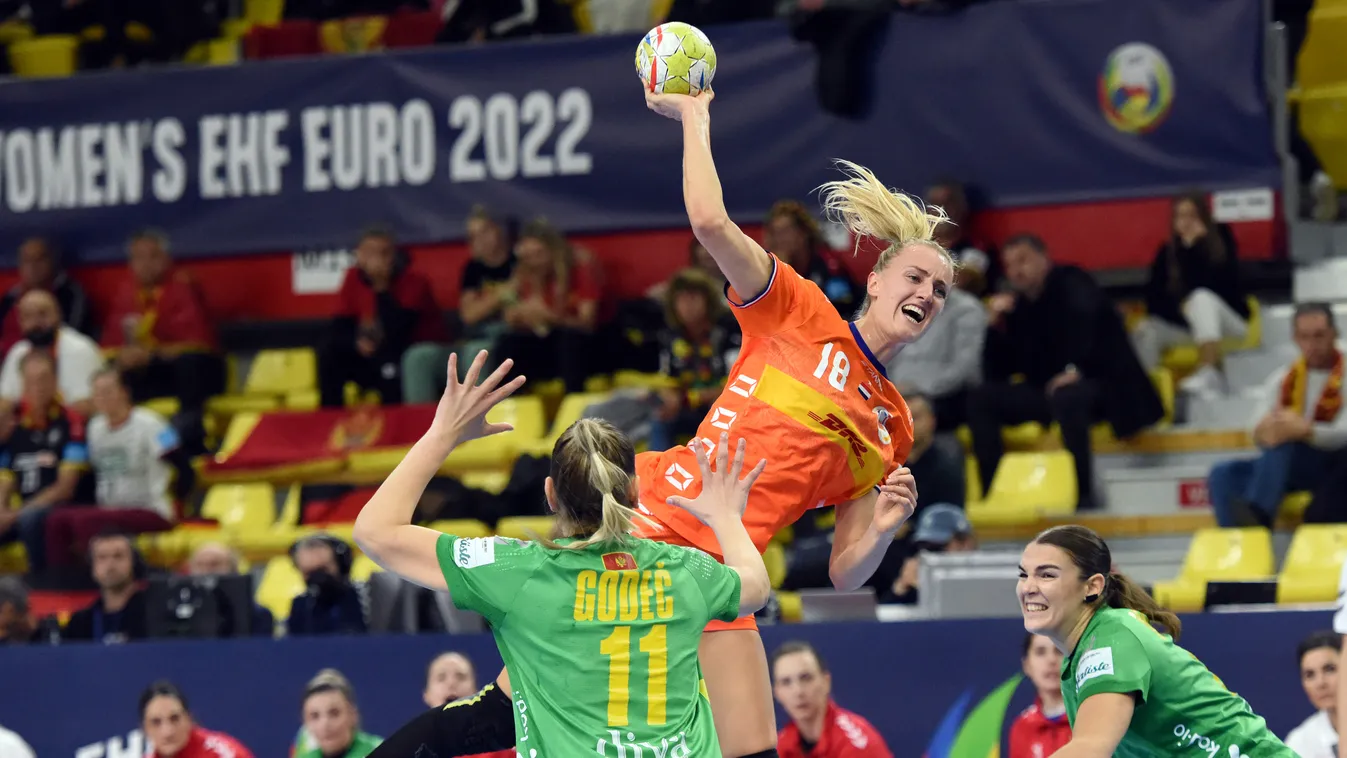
x: 619, y: 562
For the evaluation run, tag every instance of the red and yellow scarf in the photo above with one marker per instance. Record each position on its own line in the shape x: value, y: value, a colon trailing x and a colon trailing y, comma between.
x: 1330, y: 401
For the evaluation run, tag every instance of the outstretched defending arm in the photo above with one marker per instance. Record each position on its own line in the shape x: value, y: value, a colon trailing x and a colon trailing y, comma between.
x: 743, y: 261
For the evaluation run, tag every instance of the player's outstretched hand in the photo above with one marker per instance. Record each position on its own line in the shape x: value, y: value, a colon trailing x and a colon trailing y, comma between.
x: 677, y: 107
x: 724, y: 494
x: 897, y: 500
x: 461, y: 414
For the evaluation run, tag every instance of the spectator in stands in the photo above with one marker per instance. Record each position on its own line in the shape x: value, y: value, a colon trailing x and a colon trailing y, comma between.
x: 941, y: 471
x: 1061, y: 332
x: 1319, y: 656
x: 128, y: 33
x: 77, y: 356
x: 215, y: 559
x: 942, y: 528
x: 331, y: 721
x: 1193, y: 294
x: 40, y: 269
x: 552, y: 310
x: 451, y: 676
x: 13, y: 746
x: 819, y: 727
x: 793, y: 236
x: 118, y: 615
x: 488, y: 20
x: 1042, y: 728
x: 693, y: 351
x: 383, y: 309
x: 946, y: 361
x: 161, y: 337
x: 41, y: 462
x: 16, y: 623
x: 979, y: 265
x: 698, y: 259
x: 169, y: 727
x: 1298, y: 429
x: 488, y: 281
x: 134, y: 453
x: 331, y: 604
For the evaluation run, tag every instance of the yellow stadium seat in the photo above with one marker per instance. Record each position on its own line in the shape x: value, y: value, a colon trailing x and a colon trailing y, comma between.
x: 600, y: 383
x: 1027, y: 436
x: 1320, y: 62
x: 1323, y: 123
x: 1217, y: 554
x: 277, y: 372
x: 240, y: 426
x: 1182, y: 359
x: 525, y: 527
x: 973, y: 480
x: 222, y: 51
x: 241, y: 507
x: 268, y: 12
x: 775, y: 559
x: 1293, y: 505
x: 52, y: 55
x: 487, y: 481
x: 354, y: 34
x: 290, y: 507
x: 235, y: 28
x: 791, y: 607
x: 639, y: 380
x: 267, y: 544
x: 1313, y: 564
x: 1028, y: 486
x: 572, y: 408
x: 13, y: 558
x: 470, y: 528
x: 12, y: 31
x: 1163, y: 379
x: 167, y: 407
x: 499, y: 451
x: 281, y: 583
x: 362, y: 567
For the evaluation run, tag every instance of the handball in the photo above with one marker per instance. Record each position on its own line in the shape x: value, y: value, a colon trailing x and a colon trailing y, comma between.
x: 675, y: 59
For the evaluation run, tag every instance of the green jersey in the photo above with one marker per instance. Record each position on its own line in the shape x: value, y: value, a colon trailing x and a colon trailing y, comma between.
x: 601, y: 643
x: 1182, y: 709
x: 305, y: 747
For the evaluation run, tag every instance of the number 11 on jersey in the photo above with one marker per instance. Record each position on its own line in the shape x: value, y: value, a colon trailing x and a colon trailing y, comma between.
x: 841, y: 367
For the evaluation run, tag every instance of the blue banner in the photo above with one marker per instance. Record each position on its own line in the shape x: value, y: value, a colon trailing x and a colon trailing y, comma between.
x: 924, y: 685
x: 1045, y: 102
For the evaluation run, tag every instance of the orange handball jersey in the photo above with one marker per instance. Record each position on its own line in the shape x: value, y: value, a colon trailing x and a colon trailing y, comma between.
x: 807, y: 395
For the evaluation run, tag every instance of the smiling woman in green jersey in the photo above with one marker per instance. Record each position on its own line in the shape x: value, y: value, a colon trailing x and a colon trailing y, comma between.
x: 598, y: 629
x: 1129, y: 690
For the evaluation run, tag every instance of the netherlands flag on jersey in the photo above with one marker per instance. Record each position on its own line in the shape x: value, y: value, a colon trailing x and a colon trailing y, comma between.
x: 865, y: 391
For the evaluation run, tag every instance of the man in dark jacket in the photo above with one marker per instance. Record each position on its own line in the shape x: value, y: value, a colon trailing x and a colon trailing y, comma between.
x: 1061, y: 333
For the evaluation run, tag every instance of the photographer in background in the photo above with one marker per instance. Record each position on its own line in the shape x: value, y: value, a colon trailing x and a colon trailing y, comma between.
x: 331, y: 604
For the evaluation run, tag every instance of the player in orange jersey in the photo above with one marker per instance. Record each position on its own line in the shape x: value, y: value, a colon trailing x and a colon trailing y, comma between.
x: 809, y: 394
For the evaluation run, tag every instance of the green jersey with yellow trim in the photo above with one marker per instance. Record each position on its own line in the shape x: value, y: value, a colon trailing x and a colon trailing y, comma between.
x: 601, y: 642
x: 1182, y: 709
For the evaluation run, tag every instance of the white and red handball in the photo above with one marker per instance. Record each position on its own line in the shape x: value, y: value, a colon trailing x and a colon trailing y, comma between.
x: 675, y: 59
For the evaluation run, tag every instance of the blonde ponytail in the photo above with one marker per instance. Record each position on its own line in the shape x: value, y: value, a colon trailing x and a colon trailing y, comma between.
x: 593, y: 448
x: 869, y: 209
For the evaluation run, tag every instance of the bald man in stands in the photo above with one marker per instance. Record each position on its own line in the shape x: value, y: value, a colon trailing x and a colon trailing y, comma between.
x: 77, y: 357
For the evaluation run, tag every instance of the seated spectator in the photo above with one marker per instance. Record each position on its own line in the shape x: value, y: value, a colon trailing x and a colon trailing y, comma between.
x: 16, y: 623
x: 946, y: 361
x: 133, y: 453
x: 40, y: 269
x: 384, y: 308
x: 979, y: 265
x: 1193, y: 294
x: 552, y: 310
x: 819, y: 727
x: 172, y: 732
x: 41, y: 462
x: 331, y: 721
x: 450, y: 676
x: 1319, y: 656
x: 160, y: 335
x: 793, y: 236
x: 13, y: 746
x: 1065, y: 337
x: 77, y: 357
x: 693, y: 351
x: 940, y: 469
x: 1299, y: 429
x: 118, y: 615
x: 215, y: 559
x: 942, y: 528
x: 1042, y: 728
x: 699, y: 259
x: 487, y: 277
x: 331, y: 604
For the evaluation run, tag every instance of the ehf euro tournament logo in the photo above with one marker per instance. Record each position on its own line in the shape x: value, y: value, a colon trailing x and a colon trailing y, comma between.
x: 1136, y: 88
x: 973, y: 732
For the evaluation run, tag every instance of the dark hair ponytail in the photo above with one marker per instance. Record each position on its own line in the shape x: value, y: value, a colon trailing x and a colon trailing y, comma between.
x: 161, y: 688
x: 1091, y: 556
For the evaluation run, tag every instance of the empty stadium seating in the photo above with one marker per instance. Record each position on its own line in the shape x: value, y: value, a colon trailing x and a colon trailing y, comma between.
x: 241, y: 507
x: 1217, y: 554
x: 1027, y: 486
x: 52, y: 55
x: 1313, y: 563
x: 525, y: 527
x: 1321, y: 88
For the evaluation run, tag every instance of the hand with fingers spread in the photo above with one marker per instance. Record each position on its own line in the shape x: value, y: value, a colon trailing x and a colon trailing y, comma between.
x: 461, y: 414
x: 724, y: 494
x: 897, y: 500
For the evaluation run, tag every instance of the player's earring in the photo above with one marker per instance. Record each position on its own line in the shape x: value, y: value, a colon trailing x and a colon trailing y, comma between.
x: 1091, y: 598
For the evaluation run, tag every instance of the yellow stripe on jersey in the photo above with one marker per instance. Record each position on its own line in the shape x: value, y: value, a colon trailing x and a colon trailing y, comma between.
x: 824, y: 417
